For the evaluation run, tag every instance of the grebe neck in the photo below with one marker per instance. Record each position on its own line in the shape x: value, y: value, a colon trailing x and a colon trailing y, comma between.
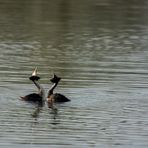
x: 52, y: 89
x: 41, y: 91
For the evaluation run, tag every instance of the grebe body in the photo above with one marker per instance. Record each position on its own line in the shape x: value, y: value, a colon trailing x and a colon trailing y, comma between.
x: 58, y: 98
x: 32, y: 98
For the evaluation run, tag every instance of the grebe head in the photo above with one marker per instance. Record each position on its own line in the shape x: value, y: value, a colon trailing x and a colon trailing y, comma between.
x: 34, y: 75
x: 55, y: 79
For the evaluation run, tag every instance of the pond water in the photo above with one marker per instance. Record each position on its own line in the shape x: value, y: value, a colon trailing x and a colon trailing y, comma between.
x: 99, y: 48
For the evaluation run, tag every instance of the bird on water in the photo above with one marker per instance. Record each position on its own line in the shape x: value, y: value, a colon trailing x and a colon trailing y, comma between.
x: 35, y: 97
x: 55, y: 97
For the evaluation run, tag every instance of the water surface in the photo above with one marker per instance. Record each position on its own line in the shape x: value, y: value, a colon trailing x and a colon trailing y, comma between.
x: 99, y: 48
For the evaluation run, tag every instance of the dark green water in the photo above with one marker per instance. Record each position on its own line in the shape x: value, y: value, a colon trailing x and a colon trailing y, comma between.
x: 99, y: 48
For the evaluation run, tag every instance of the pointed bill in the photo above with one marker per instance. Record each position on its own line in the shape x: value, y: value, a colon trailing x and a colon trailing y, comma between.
x: 34, y: 72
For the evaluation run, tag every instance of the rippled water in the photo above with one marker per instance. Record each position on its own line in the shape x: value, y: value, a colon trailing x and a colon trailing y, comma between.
x: 99, y: 48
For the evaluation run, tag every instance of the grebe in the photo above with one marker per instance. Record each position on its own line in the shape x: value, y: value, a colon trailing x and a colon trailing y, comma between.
x: 35, y: 97
x: 55, y: 98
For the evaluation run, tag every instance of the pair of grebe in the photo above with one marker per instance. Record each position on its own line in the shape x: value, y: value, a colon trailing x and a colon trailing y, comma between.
x: 39, y: 97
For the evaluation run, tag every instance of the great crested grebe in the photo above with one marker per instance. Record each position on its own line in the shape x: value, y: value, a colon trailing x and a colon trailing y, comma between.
x: 35, y: 97
x: 55, y: 98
